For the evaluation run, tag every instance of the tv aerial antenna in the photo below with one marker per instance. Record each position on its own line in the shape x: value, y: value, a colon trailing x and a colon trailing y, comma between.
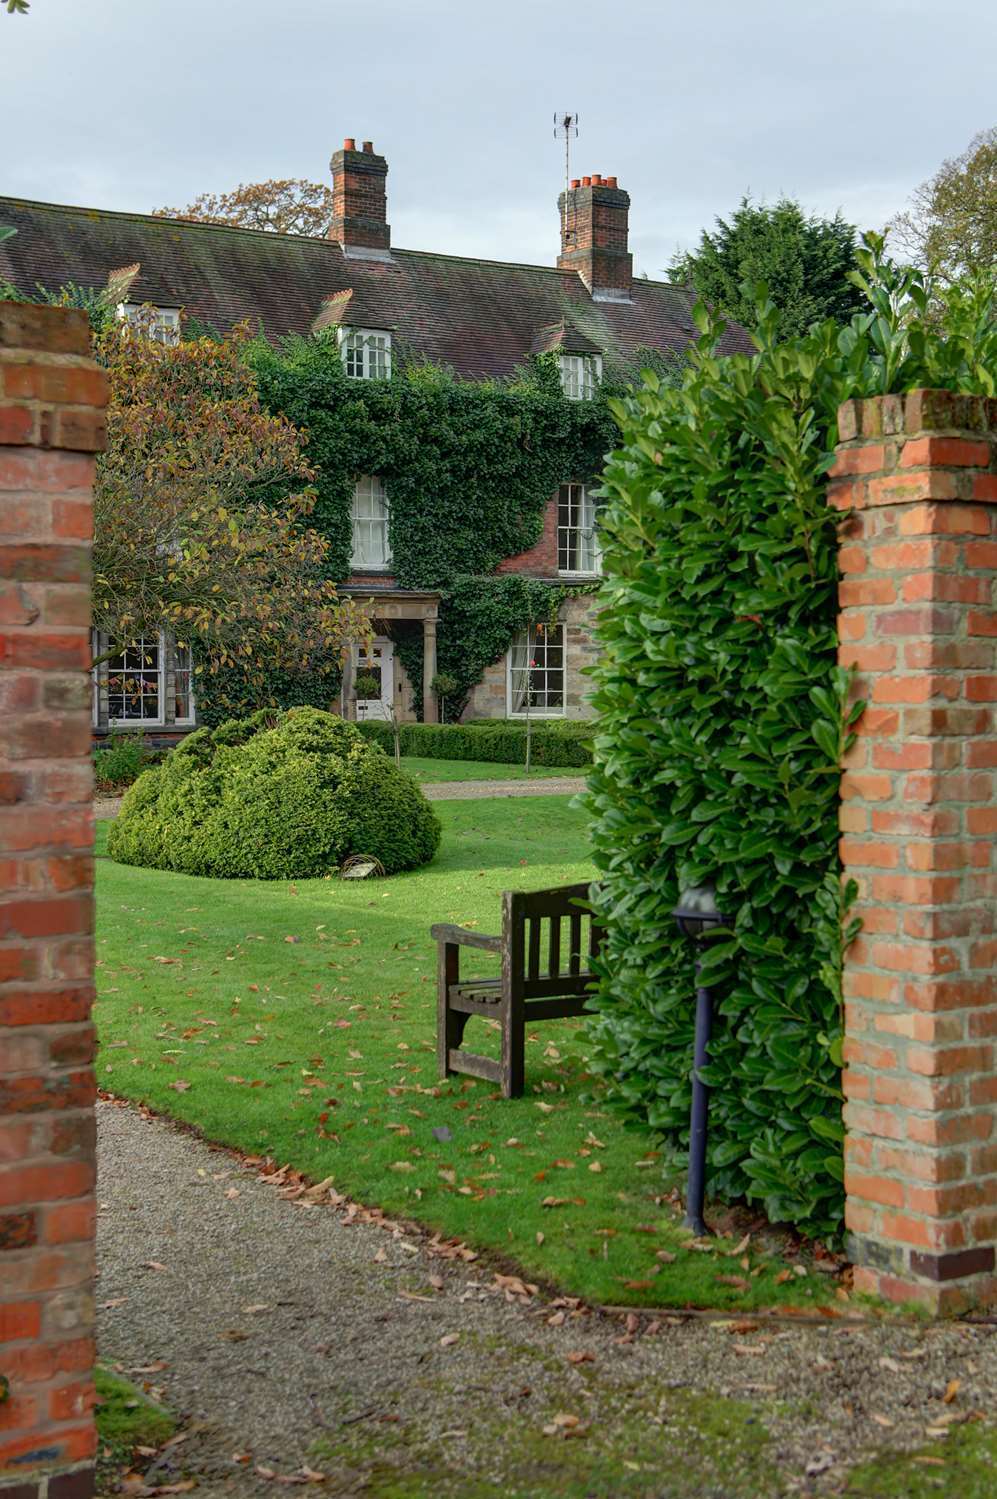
x: 566, y: 129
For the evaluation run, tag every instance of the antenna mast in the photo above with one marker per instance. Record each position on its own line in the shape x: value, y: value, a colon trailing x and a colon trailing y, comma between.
x: 566, y: 126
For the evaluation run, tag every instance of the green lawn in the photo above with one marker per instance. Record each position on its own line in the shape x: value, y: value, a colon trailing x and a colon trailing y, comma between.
x: 298, y: 1020
x: 480, y: 770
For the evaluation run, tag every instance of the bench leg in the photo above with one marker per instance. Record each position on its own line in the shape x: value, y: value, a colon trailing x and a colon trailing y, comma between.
x: 513, y: 1047
x: 449, y: 1023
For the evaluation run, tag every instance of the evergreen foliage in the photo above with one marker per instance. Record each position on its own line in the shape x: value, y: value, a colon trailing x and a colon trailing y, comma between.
x: 555, y: 741
x: 724, y: 718
x: 274, y: 796
x: 802, y: 259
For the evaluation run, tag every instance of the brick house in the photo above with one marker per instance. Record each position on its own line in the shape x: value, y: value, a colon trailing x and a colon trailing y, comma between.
x: 481, y: 318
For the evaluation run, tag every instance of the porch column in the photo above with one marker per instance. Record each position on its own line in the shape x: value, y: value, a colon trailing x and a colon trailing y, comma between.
x: 429, y: 713
x: 348, y: 705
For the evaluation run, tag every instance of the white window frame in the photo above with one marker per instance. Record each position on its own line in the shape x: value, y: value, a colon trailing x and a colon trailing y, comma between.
x: 370, y: 519
x: 181, y: 665
x: 161, y: 324
x: 536, y: 642
x: 580, y: 375
x: 366, y: 352
x: 577, y: 536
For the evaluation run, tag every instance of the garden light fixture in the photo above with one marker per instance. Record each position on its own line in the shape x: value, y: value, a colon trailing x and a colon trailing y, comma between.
x: 696, y: 914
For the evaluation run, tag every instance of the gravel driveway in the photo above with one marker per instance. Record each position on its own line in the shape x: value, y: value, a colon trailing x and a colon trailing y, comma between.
x: 295, y: 1339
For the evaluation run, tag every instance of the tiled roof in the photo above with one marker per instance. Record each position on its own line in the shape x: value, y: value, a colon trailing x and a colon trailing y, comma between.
x: 480, y: 317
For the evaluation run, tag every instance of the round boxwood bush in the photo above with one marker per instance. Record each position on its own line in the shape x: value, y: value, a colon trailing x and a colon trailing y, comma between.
x: 274, y: 796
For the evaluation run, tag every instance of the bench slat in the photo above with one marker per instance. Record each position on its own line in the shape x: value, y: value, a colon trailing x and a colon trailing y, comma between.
x: 555, y: 1009
x: 575, y: 954
x: 554, y: 964
x: 533, y: 969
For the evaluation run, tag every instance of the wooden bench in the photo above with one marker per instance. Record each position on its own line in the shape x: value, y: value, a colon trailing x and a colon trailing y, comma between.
x: 543, y: 978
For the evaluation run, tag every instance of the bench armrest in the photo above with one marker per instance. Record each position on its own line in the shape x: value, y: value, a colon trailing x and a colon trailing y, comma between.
x: 464, y: 937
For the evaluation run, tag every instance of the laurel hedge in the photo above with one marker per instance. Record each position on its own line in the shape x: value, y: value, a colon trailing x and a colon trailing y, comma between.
x: 725, y: 719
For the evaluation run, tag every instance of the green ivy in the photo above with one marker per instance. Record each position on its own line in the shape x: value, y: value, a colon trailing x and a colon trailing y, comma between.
x: 724, y: 718
x: 468, y: 467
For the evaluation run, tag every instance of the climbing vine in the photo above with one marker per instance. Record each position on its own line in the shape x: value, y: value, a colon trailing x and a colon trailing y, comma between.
x: 468, y: 468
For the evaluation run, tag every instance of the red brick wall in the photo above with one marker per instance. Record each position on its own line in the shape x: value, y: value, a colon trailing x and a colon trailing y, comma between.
x: 359, y: 198
x: 594, y: 236
x: 540, y: 561
x: 51, y: 424
x: 918, y: 567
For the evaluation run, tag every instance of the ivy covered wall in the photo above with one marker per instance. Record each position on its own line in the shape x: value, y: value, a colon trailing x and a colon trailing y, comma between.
x: 468, y: 468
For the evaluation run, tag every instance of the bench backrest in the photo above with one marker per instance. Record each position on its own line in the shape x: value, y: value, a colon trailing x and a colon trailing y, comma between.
x: 550, y: 939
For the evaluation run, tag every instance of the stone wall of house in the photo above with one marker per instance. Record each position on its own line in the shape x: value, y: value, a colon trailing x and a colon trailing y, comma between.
x: 51, y: 424
x: 489, y: 699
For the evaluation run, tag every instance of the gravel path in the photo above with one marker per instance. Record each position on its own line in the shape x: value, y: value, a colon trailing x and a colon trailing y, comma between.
x: 272, y: 1327
x: 437, y: 791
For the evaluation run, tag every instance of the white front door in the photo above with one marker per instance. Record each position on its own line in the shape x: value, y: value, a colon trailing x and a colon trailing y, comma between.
x: 376, y: 663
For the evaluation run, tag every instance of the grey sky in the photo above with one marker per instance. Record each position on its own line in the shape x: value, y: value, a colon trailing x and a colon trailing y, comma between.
x: 846, y: 104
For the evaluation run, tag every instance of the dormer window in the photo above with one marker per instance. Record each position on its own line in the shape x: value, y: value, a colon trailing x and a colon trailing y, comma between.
x: 161, y: 324
x: 366, y: 353
x: 371, y: 547
x: 580, y: 375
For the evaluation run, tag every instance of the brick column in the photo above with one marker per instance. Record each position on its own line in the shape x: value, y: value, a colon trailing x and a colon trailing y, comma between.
x: 51, y: 424
x: 918, y: 591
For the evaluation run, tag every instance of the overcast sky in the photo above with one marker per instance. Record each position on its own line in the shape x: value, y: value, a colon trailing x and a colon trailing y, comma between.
x: 133, y: 104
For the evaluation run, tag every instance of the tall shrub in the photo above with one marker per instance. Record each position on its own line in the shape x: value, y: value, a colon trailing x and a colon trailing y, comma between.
x: 724, y: 718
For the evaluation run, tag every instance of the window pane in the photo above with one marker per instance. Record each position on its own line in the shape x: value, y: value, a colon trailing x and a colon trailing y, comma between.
x: 183, y: 685
x: 536, y: 671
x: 370, y: 523
x: 134, y: 685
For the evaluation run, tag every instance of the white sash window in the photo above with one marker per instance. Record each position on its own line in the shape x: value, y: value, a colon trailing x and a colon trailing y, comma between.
x: 577, y: 541
x: 366, y: 353
x: 371, y: 546
x: 535, y: 673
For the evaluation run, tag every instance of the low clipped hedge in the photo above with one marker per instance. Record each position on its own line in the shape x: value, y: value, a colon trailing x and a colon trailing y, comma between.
x: 502, y: 741
x: 274, y: 796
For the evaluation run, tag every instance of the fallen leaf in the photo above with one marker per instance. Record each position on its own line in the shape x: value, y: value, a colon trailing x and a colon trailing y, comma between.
x: 449, y: 1339
x: 151, y: 1265
x: 882, y: 1420
x: 580, y: 1358
x: 783, y: 1276
x: 737, y: 1281
x: 665, y: 1256
x: 951, y: 1390
x: 891, y: 1364
x: 258, y: 1306
x: 179, y: 1087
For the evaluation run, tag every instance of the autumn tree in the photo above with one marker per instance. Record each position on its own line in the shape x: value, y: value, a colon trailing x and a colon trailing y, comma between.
x: 804, y: 261
x: 200, y: 514
x: 950, y: 228
x: 282, y: 206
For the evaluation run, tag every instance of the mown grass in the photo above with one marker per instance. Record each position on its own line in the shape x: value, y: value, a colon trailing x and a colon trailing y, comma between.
x: 297, y: 1020
x: 481, y: 770
x: 126, y: 1420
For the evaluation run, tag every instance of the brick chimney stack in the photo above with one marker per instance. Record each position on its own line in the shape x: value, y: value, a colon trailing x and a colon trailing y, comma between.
x: 359, y: 201
x: 595, y: 215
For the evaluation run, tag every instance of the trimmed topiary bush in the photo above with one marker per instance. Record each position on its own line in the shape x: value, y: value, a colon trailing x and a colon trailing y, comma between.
x: 274, y: 796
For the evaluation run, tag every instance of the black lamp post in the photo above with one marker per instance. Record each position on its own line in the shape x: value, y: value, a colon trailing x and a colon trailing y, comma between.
x: 696, y: 914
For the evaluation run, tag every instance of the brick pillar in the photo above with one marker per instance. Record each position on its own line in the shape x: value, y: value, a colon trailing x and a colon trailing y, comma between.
x: 51, y: 424
x: 918, y: 591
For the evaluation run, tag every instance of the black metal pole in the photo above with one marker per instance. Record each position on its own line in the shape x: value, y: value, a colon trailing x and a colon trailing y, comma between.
x: 696, y: 1189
